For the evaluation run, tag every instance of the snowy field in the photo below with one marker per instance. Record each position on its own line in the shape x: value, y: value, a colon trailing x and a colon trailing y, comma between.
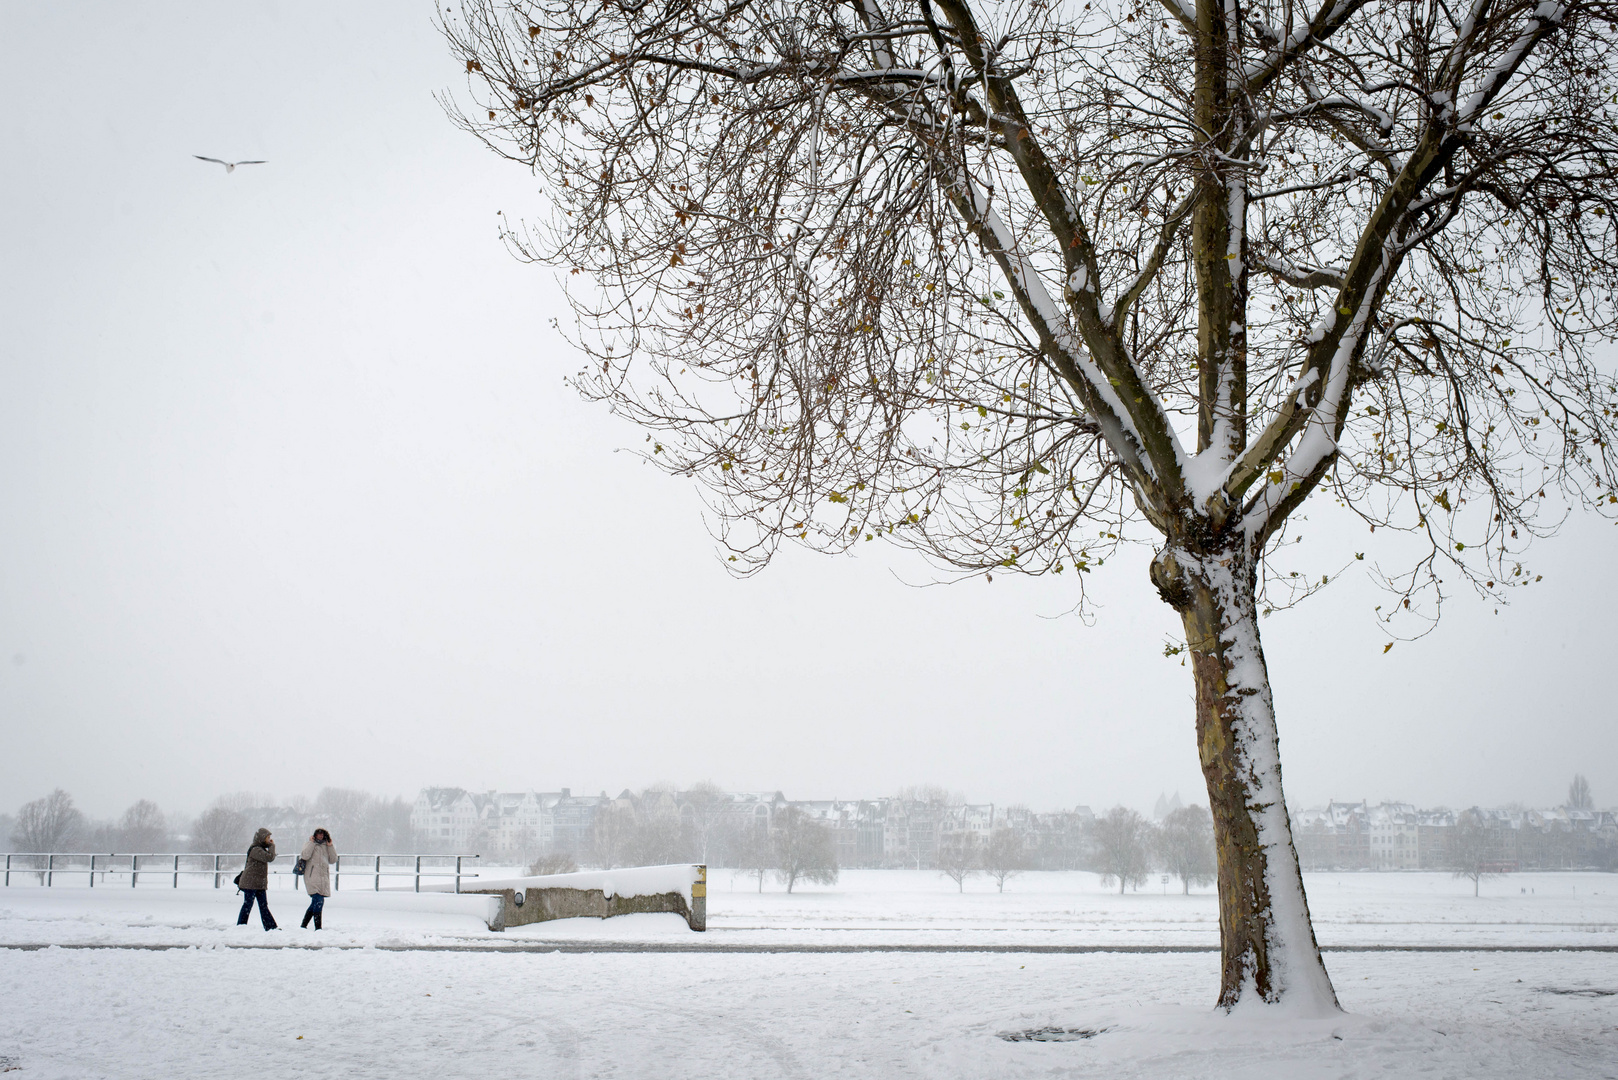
x: 156, y: 982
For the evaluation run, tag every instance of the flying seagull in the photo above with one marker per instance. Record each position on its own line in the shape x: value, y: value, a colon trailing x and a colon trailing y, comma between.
x: 230, y: 166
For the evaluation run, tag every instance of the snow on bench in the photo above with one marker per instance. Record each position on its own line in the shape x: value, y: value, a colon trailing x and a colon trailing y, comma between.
x: 681, y: 888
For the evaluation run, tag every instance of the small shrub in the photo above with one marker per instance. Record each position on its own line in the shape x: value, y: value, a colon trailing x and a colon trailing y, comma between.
x: 553, y: 864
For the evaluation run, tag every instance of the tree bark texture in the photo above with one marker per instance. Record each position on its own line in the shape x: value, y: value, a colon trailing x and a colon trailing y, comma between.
x: 1267, y: 943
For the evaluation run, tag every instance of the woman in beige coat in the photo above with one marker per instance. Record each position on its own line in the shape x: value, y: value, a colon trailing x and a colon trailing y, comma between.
x: 317, y: 859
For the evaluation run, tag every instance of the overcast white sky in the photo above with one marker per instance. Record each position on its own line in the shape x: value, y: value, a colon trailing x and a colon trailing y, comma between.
x: 291, y: 494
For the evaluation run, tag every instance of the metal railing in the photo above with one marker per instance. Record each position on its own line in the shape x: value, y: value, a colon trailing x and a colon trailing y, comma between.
x: 46, y: 865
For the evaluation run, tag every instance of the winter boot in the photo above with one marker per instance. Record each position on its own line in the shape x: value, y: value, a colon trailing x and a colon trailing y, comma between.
x: 317, y: 920
x: 306, y: 917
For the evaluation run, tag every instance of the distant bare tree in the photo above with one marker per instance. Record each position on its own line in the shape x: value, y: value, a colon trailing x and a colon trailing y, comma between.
x: 1121, y: 838
x: 52, y: 823
x: 1470, y: 852
x: 526, y: 841
x: 932, y: 795
x: 244, y: 800
x: 1004, y: 856
x: 343, y: 812
x: 221, y: 830
x: 959, y: 857
x: 386, y: 827
x: 1185, y: 844
x: 612, y: 834
x: 1578, y: 794
x: 479, y: 841
x: 706, y: 802
x: 99, y: 836
x: 143, y: 828
x: 1010, y: 282
x: 805, y: 850
x: 750, y: 849
x: 658, y: 840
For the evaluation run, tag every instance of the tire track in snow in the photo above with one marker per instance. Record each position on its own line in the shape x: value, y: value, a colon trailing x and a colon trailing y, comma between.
x: 567, y: 1039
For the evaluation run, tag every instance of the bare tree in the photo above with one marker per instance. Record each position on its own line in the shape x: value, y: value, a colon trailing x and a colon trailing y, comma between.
x: 706, y: 802
x: 1578, y: 794
x: 1004, y: 856
x: 805, y: 850
x: 343, y: 812
x: 1185, y: 844
x: 245, y: 800
x: 480, y: 840
x: 143, y: 828
x: 52, y: 823
x: 750, y: 849
x: 959, y: 857
x: 220, y: 829
x: 1470, y: 852
x: 612, y: 834
x: 658, y: 840
x: 526, y: 841
x: 659, y: 835
x: 1121, y: 837
x: 932, y: 795
x: 386, y: 826
x: 1012, y: 283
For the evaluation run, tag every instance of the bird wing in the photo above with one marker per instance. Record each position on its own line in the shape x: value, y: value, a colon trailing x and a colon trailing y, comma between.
x: 215, y: 160
x: 252, y: 163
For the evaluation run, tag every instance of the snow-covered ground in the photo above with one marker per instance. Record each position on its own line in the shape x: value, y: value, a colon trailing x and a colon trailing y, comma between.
x: 1075, y: 909
x: 375, y: 999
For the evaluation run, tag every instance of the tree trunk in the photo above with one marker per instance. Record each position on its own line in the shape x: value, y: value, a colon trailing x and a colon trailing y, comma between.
x: 1268, y: 947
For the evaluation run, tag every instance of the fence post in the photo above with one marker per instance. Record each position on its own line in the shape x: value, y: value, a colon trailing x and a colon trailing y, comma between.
x: 337, y: 875
x: 378, y: 887
x: 418, y: 871
x: 92, y: 870
x: 50, y: 870
x: 8, y: 872
x: 457, y: 873
x: 134, y: 865
x: 176, y: 871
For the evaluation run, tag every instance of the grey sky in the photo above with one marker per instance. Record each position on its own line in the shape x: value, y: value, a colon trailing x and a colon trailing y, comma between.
x: 291, y: 495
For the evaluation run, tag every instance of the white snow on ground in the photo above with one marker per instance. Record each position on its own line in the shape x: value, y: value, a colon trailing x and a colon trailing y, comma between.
x: 878, y: 907
x: 1075, y: 909
x: 215, y: 1008
x: 365, y: 1013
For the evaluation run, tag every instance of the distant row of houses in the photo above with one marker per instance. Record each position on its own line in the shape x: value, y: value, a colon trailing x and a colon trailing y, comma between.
x: 714, y: 826
x: 525, y: 823
x: 1398, y: 836
x: 886, y: 832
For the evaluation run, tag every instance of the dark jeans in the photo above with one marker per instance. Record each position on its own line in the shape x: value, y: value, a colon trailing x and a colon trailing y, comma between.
x: 263, y: 908
x: 317, y: 903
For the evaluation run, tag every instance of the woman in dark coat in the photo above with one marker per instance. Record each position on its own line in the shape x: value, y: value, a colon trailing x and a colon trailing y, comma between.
x: 255, y: 879
x: 317, y: 859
